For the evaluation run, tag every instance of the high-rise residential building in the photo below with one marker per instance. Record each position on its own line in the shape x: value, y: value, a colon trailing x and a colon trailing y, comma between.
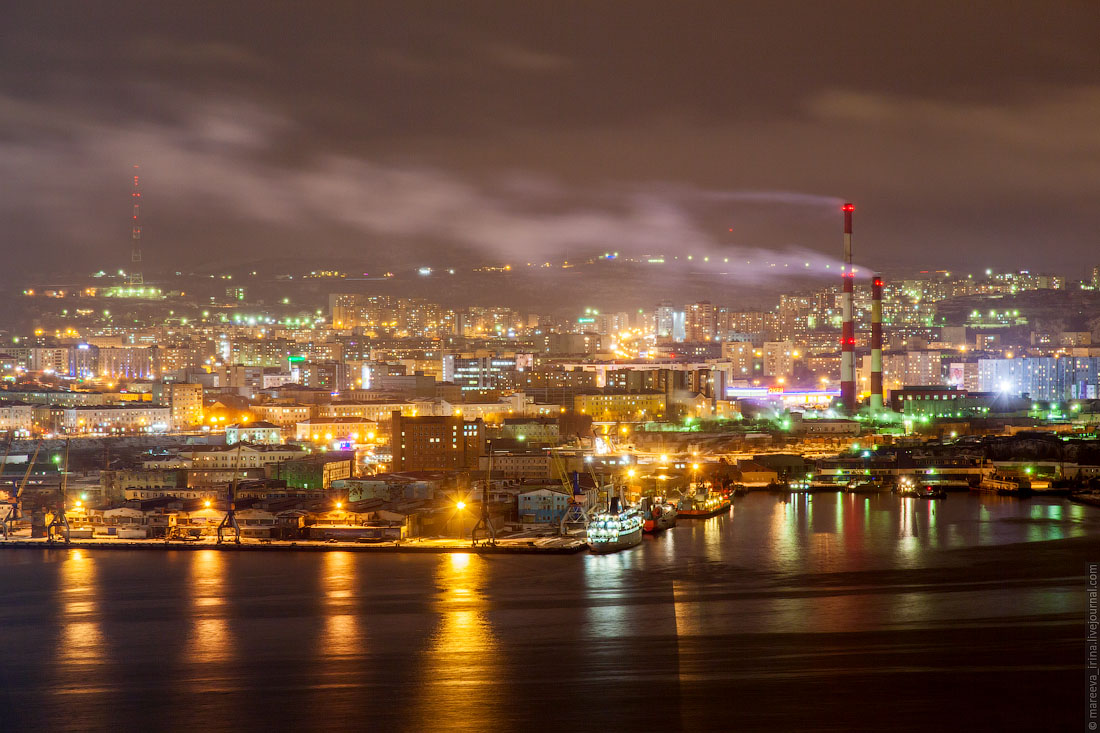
x: 436, y: 443
x: 569, y: 343
x: 479, y: 372
x: 1042, y: 378
x: 754, y: 326
x: 669, y: 321
x: 483, y: 322
x: 1096, y: 277
x: 330, y: 375
x: 742, y: 357
x: 778, y: 358
x: 924, y: 368
x: 700, y: 321
x: 183, y: 399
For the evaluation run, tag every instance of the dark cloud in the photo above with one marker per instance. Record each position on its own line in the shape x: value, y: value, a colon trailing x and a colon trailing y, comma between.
x: 508, y: 130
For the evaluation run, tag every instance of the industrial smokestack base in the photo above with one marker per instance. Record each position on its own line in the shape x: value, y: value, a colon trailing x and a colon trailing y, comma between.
x: 876, y: 344
x: 848, y: 332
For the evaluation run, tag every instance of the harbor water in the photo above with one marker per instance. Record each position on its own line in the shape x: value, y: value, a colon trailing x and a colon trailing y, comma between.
x: 810, y: 612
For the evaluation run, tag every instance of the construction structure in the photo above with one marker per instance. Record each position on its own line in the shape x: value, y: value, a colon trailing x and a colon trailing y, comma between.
x: 848, y: 333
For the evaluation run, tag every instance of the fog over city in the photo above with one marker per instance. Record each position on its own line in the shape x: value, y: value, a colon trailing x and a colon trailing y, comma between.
x: 520, y: 136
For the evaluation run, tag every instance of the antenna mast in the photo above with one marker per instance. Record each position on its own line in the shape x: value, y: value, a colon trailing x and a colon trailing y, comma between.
x: 135, y: 235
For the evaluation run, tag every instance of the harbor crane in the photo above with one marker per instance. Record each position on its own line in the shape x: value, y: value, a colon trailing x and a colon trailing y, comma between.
x: 485, y: 523
x: 59, y: 523
x: 229, y: 521
x: 12, y: 509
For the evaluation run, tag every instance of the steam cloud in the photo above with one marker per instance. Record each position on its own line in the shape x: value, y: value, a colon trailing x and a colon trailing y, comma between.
x: 225, y: 159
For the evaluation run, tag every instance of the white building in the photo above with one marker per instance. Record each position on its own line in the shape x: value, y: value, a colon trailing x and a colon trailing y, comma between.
x: 16, y: 417
x: 254, y: 432
x: 127, y: 418
x: 329, y: 429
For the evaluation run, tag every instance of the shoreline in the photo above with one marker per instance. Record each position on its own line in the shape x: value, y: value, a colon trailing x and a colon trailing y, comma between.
x: 503, y: 547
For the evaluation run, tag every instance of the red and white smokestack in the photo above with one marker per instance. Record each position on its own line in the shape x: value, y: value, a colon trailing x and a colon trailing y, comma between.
x: 876, y: 344
x: 848, y: 331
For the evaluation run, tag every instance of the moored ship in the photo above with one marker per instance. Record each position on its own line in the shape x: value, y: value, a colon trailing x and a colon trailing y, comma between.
x: 906, y: 488
x: 659, y: 515
x: 1004, y: 485
x: 702, y: 506
x: 615, y: 529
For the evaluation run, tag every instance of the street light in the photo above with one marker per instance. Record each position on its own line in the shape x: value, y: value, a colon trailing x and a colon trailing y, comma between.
x: 460, y: 505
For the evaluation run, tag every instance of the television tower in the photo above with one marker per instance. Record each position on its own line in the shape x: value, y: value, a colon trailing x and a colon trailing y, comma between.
x: 135, y: 235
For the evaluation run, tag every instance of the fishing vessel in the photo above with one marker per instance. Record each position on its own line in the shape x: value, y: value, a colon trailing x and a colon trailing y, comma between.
x: 702, y: 506
x: 659, y: 515
x: 615, y: 529
x: 908, y: 489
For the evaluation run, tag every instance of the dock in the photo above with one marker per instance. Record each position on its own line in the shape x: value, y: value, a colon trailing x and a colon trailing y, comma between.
x: 524, y: 546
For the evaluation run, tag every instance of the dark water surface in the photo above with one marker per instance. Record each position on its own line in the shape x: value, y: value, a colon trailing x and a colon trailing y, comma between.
x: 829, y: 612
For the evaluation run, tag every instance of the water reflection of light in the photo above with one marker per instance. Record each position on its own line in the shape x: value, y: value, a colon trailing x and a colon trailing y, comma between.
x: 460, y: 664
x: 81, y: 636
x: 783, y: 534
x: 606, y: 578
x: 908, y: 536
x: 209, y: 639
x: 341, y: 635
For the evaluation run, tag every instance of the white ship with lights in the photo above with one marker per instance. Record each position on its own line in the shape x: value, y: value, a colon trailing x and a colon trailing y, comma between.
x: 615, y: 529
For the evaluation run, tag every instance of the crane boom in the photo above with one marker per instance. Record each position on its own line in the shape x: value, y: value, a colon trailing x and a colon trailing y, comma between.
x: 26, y: 477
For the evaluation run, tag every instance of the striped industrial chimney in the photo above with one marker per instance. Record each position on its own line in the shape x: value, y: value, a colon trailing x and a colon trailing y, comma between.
x: 848, y: 331
x: 876, y: 344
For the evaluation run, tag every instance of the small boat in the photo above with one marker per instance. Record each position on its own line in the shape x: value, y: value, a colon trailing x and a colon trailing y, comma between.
x: 906, y: 488
x: 866, y: 487
x: 696, y: 506
x: 808, y: 487
x: 659, y: 515
x: 615, y: 529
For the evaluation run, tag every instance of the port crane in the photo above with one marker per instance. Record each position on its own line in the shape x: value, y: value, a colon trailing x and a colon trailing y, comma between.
x: 485, y: 523
x: 229, y: 521
x: 59, y: 523
x: 13, y: 508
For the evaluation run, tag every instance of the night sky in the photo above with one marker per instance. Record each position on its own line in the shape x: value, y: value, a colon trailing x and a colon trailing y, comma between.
x: 443, y: 133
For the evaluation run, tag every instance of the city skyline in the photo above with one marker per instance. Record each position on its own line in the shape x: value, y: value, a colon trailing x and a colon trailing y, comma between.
x: 553, y: 365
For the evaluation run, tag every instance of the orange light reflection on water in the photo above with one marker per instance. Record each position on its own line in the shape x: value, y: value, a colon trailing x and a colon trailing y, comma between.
x: 460, y: 664
x: 342, y: 637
